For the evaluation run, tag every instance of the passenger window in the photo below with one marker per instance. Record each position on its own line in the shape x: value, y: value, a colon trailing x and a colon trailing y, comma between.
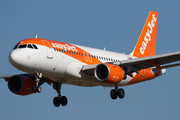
x: 30, y: 46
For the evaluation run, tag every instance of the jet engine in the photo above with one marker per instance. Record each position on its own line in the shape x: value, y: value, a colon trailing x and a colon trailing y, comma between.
x: 109, y: 73
x: 21, y: 85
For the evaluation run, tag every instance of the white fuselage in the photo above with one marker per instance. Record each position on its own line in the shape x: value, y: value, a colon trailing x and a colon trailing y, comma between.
x: 61, y: 67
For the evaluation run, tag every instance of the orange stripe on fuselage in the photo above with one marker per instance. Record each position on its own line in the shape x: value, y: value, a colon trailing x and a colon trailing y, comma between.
x: 67, y: 48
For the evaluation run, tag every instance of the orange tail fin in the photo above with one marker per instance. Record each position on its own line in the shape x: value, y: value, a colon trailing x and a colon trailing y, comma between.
x: 146, y: 45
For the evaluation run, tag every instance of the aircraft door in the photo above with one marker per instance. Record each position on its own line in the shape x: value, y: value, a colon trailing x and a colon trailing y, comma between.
x: 49, y: 50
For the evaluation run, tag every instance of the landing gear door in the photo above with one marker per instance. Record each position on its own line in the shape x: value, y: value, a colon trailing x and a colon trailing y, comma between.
x: 49, y: 50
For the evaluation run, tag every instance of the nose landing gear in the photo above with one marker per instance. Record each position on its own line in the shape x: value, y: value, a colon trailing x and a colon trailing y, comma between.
x: 38, y: 77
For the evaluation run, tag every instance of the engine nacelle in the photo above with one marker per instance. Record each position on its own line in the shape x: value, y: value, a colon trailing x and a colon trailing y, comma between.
x: 21, y: 85
x: 109, y: 73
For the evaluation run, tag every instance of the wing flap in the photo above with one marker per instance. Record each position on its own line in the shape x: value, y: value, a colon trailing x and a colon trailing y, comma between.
x: 89, y: 69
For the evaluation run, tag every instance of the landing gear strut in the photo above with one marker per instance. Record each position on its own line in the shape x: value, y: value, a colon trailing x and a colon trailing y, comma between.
x: 38, y: 77
x: 60, y: 100
x: 117, y: 92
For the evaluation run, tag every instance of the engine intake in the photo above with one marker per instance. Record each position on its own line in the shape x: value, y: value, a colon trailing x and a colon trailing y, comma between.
x: 21, y: 85
x: 109, y: 73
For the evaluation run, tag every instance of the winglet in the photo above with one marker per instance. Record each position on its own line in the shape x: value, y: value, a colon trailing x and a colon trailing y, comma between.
x: 146, y: 45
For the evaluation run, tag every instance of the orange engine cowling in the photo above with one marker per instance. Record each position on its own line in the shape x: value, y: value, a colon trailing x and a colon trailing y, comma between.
x: 109, y: 73
x: 21, y: 85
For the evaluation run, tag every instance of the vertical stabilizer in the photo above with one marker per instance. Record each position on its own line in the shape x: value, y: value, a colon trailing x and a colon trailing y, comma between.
x: 146, y: 45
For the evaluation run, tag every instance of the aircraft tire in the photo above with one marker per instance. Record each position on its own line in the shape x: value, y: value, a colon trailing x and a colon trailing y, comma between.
x: 38, y: 89
x: 56, y: 101
x: 113, y: 94
x: 34, y: 90
x: 120, y: 93
x: 64, y: 101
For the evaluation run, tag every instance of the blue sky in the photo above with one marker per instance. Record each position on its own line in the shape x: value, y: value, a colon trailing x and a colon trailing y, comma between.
x: 113, y: 24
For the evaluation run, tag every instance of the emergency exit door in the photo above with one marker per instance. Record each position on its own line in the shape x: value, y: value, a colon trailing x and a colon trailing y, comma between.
x: 49, y: 50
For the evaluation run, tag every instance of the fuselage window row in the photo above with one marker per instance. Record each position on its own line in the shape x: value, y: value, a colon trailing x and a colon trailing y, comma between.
x: 91, y: 56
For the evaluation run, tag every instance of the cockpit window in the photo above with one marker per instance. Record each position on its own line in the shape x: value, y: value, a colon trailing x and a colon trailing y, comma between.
x: 30, y: 46
x: 15, y: 47
x: 22, y: 46
x: 35, y: 47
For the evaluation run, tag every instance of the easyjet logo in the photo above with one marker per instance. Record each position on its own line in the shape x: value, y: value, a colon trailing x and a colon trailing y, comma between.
x: 64, y: 46
x: 147, y: 36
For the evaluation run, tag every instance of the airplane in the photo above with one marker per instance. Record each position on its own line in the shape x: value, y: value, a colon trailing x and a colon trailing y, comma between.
x: 58, y: 63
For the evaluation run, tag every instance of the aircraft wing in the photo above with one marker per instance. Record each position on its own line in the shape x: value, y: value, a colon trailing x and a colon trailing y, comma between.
x: 6, y: 76
x: 142, y: 63
x: 146, y: 62
x: 43, y: 79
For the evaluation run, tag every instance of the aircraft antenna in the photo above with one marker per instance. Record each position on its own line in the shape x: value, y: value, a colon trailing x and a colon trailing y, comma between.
x: 36, y: 36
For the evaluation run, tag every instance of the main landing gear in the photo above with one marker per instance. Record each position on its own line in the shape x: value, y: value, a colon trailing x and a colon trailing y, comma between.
x: 117, y: 92
x: 59, y: 100
x: 38, y: 77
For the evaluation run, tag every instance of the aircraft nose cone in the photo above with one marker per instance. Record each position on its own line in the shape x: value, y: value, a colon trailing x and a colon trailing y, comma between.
x: 15, y: 58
